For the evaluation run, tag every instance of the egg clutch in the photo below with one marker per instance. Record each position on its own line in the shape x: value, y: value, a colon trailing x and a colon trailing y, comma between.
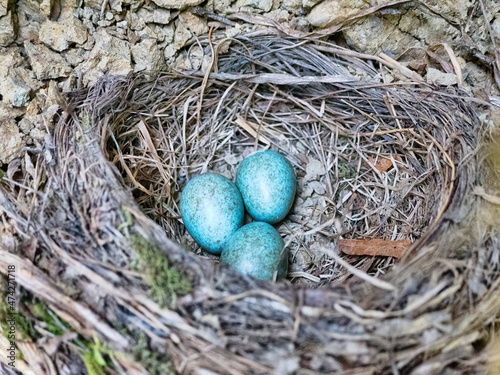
x: 213, y: 210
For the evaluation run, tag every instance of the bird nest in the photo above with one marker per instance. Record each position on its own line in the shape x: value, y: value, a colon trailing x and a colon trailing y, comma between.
x: 394, y: 258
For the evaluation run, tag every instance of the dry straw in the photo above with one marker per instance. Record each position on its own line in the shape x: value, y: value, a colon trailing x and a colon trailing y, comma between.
x: 97, y: 215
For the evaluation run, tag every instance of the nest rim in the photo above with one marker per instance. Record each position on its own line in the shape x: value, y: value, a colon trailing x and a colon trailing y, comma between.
x: 365, y: 327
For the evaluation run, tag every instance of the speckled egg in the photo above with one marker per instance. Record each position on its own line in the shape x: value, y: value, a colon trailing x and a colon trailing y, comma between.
x: 256, y: 249
x: 212, y: 210
x: 267, y: 184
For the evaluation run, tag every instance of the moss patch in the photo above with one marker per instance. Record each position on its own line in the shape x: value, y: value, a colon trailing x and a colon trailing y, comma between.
x: 166, y: 282
x: 94, y: 356
x: 345, y: 170
x: 54, y: 324
x: 152, y: 361
x: 92, y: 366
x: 23, y: 325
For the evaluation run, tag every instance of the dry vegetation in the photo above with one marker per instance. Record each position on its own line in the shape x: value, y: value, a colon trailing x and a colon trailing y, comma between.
x: 100, y: 252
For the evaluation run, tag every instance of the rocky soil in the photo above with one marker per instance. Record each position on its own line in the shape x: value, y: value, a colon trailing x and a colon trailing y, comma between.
x: 52, y: 46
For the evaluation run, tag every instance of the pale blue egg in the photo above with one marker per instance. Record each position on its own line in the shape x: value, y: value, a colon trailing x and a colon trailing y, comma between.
x: 212, y: 210
x: 267, y: 184
x: 257, y: 250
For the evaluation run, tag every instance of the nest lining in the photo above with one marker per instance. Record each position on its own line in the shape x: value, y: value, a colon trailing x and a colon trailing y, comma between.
x: 431, y: 311
x: 335, y: 135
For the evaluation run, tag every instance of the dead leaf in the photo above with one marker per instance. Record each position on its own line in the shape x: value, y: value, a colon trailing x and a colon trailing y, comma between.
x: 383, y: 163
x: 374, y: 247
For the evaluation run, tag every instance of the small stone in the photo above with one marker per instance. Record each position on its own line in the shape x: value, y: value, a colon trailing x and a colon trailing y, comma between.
x: 318, y: 187
x: 11, y: 141
x: 258, y: 5
x: 3, y: 7
x: 110, y: 55
x: 231, y: 159
x: 95, y: 4
x: 116, y: 5
x: 41, y: 111
x: 193, y: 23
x: 306, y: 191
x: 29, y: 19
x: 437, y: 77
x: 75, y: 56
x: 147, y: 56
x: 7, y: 31
x: 16, y: 81
x: 496, y: 26
x: 314, y: 169
x: 46, y: 7
x: 16, y: 93
x: 109, y: 16
x: 25, y: 125
x: 135, y: 22
x: 333, y: 12
x: 310, y: 3
x: 291, y: 5
x: 299, y: 23
x: 161, y: 16
x: 53, y: 95
x: 45, y: 63
x: 7, y: 112
x: 181, y: 37
x: 104, y: 23
x: 222, y: 6
x: 89, y: 44
x: 233, y: 31
x: 309, y: 202
x: 195, y: 61
x: 279, y: 15
x: 69, y: 84
x: 149, y: 33
x: 122, y: 24
x: 158, y: 32
x: 429, y: 30
x: 66, y: 8
x: 177, y: 4
x: 181, y: 62
x: 59, y: 35
x: 88, y: 12
x: 376, y: 34
x: 45, y: 120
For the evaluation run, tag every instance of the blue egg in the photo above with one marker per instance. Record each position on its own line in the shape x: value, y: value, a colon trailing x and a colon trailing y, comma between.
x: 267, y: 184
x: 257, y: 250
x: 212, y: 210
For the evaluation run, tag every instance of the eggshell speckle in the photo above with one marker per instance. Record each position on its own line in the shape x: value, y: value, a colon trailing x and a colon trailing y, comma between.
x: 267, y: 184
x: 256, y: 249
x: 212, y: 210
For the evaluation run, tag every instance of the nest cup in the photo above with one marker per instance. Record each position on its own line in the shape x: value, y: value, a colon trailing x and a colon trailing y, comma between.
x: 373, y: 161
x: 377, y: 156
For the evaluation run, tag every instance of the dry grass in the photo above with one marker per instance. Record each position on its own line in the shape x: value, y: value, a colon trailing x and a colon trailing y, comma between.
x: 334, y: 114
x: 341, y: 126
